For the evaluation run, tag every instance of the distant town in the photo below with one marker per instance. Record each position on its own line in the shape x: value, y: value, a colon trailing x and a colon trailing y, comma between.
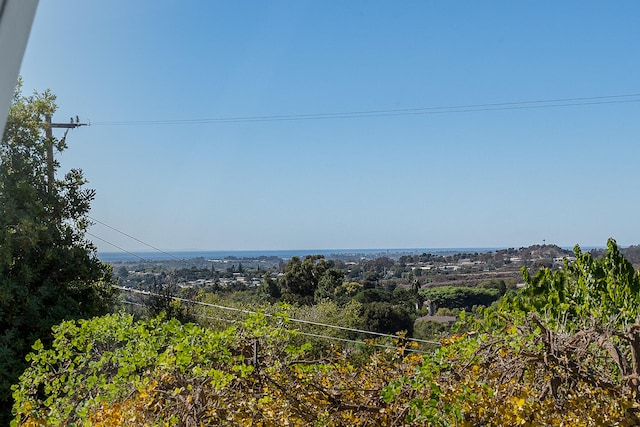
x: 381, y: 269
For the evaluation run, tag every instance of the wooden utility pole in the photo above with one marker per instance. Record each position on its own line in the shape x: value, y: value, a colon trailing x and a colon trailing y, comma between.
x: 49, y: 135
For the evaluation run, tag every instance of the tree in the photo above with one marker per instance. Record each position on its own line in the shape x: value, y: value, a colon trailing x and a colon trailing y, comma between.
x: 346, y: 291
x: 328, y: 283
x: 605, y: 288
x: 123, y: 273
x: 163, y: 300
x: 367, y: 296
x: 301, y: 278
x: 462, y: 297
x: 386, y: 318
x: 269, y: 289
x: 370, y: 280
x: 48, y: 270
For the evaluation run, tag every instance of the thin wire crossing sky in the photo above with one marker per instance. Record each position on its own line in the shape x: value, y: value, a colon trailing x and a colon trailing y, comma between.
x: 304, y: 125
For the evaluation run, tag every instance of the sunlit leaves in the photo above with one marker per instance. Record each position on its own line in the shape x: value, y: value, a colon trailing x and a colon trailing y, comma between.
x: 166, y: 370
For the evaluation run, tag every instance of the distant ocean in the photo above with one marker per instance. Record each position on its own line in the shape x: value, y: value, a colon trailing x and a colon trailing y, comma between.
x: 111, y: 257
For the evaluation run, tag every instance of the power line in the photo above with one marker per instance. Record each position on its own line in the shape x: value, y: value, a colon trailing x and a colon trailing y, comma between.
x: 136, y: 304
x: 131, y: 237
x: 545, y: 103
x: 359, y: 342
x: 309, y: 322
x: 308, y: 334
x: 231, y: 308
x: 243, y: 310
x: 115, y: 246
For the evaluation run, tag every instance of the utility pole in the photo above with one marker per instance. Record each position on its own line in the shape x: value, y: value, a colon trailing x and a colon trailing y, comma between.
x: 48, y: 128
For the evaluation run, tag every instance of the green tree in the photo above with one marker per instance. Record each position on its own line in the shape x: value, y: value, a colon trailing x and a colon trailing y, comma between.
x: 370, y: 280
x: 327, y: 285
x: 48, y: 270
x: 405, y: 297
x: 605, y: 288
x: 328, y: 312
x: 346, y: 291
x: 462, y: 297
x: 269, y: 289
x: 301, y: 278
x: 163, y: 300
x: 373, y: 295
x: 498, y: 284
x: 386, y: 318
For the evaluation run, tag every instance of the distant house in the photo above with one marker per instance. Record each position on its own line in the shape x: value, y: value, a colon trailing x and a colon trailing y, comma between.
x: 560, y: 260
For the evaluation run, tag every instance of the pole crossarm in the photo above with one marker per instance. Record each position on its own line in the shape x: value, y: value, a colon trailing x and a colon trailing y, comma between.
x: 67, y: 125
x: 48, y: 127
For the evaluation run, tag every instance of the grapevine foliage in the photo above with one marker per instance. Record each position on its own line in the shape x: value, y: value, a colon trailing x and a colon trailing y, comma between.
x: 113, y: 370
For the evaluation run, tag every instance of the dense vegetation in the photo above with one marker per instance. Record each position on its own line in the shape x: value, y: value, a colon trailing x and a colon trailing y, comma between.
x: 563, y: 351
x: 48, y: 270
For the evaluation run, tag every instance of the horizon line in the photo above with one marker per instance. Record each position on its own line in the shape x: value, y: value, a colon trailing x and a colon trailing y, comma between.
x: 355, y: 249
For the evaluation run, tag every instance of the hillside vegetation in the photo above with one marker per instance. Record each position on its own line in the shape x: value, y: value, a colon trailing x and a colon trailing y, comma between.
x: 564, y: 350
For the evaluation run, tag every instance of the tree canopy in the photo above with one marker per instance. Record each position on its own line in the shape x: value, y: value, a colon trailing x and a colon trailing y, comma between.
x: 302, y: 278
x: 49, y: 271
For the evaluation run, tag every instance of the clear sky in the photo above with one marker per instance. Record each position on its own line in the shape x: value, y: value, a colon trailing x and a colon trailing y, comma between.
x: 498, y: 176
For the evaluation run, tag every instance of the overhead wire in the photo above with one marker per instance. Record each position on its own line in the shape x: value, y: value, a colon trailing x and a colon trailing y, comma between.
x: 245, y: 311
x: 308, y: 334
x: 309, y: 322
x: 115, y: 246
x: 132, y: 237
x: 545, y: 103
x: 148, y: 293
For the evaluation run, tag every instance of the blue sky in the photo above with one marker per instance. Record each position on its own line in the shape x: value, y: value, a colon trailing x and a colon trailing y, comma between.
x: 442, y: 178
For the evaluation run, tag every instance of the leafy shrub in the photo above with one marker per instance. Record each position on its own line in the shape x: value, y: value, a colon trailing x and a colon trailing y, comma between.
x: 113, y: 370
x: 565, y: 350
x: 386, y: 318
x: 460, y: 297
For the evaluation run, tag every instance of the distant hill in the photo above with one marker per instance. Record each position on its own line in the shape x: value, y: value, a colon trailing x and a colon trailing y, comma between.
x: 543, y: 251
